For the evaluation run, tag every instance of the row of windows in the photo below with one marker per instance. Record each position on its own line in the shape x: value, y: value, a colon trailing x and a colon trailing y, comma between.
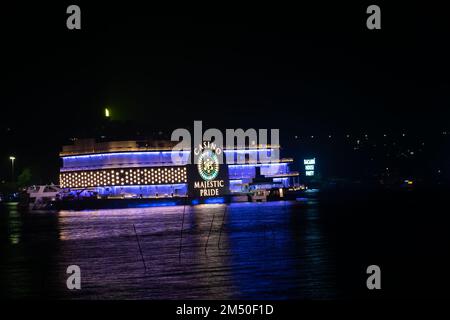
x: 121, y: 159
x: 248, y: 171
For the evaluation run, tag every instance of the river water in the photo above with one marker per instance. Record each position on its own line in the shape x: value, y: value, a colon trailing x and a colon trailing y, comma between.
x: 315, y: 248
x: 271, y: 250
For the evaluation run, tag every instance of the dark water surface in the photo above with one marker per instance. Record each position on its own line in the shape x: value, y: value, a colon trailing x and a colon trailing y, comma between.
x: 270, y: 250
x: 317, y: 248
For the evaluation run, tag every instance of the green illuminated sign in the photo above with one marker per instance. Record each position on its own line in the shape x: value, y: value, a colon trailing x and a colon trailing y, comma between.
x: 208, y: 165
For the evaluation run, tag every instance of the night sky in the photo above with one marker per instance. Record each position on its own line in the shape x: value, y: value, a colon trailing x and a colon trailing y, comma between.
x: 297, y: 68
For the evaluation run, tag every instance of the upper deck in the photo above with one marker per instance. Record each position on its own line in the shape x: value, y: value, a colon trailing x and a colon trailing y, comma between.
x: 91, y: 146
x: 89, y: 154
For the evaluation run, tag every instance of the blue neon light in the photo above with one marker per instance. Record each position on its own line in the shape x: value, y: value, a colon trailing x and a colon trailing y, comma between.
x: 258, y: 164
x: 121, y: 153
x: 124, y: 159
x: 208, y: 201
x: 155, y: 204
x: 145, y: 190
x: 214, y: 200
x: 247, y: 150
x: 156, y: 152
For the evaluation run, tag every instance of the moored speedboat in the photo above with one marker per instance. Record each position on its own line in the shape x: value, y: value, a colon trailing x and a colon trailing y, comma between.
x: 40, y: 197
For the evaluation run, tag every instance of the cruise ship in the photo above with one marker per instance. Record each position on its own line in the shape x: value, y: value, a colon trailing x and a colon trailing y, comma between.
x: 105, y: 173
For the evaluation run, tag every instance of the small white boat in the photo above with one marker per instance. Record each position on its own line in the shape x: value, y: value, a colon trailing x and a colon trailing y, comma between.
x: 40, y: 197
x: 259, y: 195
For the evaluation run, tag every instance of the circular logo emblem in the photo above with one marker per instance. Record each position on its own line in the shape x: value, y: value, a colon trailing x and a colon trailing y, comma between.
x: 208, y: 165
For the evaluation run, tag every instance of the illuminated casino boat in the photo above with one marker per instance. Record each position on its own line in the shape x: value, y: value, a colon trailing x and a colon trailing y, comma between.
x: 145, y: 173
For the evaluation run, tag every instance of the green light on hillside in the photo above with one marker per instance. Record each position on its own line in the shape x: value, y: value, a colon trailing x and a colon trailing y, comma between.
x: 107, y: 114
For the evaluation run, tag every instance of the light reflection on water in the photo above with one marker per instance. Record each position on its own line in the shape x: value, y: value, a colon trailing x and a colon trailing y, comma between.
x: 272, y: 250
x: 15, y: 224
